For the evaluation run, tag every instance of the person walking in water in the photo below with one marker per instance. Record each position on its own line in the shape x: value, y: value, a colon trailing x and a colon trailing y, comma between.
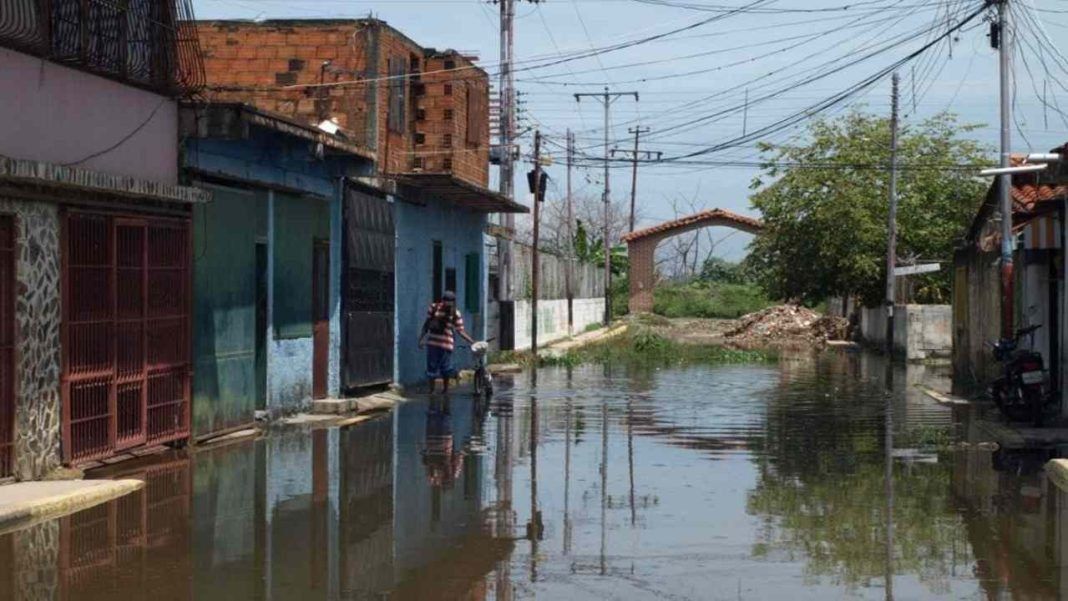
x: 443, y: 321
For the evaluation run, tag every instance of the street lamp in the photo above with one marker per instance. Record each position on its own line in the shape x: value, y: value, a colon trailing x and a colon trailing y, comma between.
x: 1035, y: 161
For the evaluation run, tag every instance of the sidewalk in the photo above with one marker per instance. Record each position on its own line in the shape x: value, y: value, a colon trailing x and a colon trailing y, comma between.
x: 561, y: 347
x: 25, y: 503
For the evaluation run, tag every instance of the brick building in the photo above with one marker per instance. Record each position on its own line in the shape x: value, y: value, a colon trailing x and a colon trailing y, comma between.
x: 420, y: 110
x: 413, y: 225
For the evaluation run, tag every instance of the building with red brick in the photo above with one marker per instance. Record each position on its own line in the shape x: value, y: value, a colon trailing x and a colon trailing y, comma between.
x: 420, y: 110
x: 414, y: 226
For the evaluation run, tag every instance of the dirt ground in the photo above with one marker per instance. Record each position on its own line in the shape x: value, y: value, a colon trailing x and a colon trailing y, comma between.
x: 782, y: 326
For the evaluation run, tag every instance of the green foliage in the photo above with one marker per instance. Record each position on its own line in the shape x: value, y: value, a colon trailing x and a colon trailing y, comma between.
x: 700, y: 299
x: 825, y: 228
x: 619, y: 295
x: 590, y: 249
x: 722, y: 271
x: 593, y: 326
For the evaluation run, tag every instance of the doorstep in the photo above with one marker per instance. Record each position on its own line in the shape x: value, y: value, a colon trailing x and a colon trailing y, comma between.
x: 26, y: 503
x: 380, y: 401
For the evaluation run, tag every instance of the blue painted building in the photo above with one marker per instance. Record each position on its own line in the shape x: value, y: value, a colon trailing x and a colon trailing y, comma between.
x: 267, y: 261
x: 440, y: 221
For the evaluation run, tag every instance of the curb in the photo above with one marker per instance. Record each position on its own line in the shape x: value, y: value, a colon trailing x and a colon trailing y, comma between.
x: 46, y: 501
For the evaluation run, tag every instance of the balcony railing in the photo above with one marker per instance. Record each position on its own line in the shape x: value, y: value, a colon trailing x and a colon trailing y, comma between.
x: 147, y: 43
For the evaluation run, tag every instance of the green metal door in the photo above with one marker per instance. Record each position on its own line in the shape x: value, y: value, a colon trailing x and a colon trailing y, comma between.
x: 225, y: 383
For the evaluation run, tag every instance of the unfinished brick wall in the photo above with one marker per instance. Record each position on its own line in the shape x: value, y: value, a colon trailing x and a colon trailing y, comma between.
x: 454, y: 118
x: 276, y: 66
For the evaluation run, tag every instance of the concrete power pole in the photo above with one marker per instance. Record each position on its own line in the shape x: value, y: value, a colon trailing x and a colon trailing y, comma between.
x: 1002, y: 41
x: 507, y: 133
x: 607, y: 98
x: 568, y: 275
x: 506, y: 185
x: 891, y: 233
x: 634, y: 156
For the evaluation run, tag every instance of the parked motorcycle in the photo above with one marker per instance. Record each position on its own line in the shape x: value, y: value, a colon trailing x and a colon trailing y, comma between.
x: 1023, y: 392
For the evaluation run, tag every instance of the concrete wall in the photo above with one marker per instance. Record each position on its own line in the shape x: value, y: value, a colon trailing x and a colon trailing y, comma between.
x: 552, y: 319
x: 61, y: 115
x: 460, y: 233
x: 921, y: 332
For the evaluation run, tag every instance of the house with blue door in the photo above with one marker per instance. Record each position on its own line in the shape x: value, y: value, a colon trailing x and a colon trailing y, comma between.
x: 266, y: 261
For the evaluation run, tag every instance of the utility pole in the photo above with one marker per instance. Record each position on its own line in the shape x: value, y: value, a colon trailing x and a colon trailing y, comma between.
x: 570, y: 240
x: 634, y: 156
x: 607, y: 98
x: 535, y: 268
x: 507, y: 133
x: 506, y: 139
x: 1002, y: 42
x: 891, y: 233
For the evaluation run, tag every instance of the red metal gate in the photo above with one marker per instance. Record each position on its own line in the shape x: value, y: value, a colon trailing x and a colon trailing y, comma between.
x: 7, y: 345
x: 126, y: 333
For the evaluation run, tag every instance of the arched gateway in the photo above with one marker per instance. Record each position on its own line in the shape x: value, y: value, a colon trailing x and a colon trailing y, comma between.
x: 641, y: 247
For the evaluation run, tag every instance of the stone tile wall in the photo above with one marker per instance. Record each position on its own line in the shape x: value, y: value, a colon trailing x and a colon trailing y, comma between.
x: 37, y: 317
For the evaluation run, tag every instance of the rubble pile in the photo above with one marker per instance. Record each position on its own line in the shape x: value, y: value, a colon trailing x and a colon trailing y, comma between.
x: 787, y: 325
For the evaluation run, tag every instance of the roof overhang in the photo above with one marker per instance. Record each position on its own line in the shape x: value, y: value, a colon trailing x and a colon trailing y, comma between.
x: 427, y: 187
x: 229, y: 120
x: 52, y: 177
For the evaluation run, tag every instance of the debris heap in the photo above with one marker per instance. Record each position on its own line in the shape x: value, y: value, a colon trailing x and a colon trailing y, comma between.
x: 787, y: 325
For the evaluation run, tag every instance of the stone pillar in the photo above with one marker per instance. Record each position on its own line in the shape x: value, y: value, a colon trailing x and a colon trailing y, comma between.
x: 37, y: 321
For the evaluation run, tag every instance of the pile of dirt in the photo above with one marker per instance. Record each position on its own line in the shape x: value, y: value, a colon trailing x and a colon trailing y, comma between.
x: 787, y: 325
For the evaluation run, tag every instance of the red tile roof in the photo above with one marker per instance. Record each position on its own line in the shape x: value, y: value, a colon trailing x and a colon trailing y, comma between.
x: 1032, y: 189
x: 747, y: 224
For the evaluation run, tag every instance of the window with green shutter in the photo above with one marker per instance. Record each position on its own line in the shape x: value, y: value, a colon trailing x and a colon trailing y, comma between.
x: 473, y: 283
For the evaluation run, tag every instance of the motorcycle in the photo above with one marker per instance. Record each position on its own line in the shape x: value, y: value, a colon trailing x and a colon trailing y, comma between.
x: 1022, y: 393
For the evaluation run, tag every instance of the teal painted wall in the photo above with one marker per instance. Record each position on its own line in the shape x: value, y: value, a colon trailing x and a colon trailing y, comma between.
x: 224, y: 334
x: 298, y: 222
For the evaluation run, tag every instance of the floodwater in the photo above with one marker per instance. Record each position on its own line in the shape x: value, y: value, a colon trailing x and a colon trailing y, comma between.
x: 597, y: 482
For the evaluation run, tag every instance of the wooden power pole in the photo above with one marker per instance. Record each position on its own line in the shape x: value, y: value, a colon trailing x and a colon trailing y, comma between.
x: 634, y: 156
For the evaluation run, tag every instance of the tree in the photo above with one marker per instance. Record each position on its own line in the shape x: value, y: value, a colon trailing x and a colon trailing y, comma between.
x: 722, y: 271
x: 824, y: 206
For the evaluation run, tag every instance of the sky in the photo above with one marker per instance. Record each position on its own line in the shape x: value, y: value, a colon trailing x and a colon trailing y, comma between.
x: 719, y: 76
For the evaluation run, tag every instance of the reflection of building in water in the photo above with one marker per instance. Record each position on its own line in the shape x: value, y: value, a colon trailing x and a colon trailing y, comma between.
x: 1017, y: 524
x: 110, y: 551
x: 298, y: 515
x: 444, y: 547
x: 367, y: 509
x: 146, y: 532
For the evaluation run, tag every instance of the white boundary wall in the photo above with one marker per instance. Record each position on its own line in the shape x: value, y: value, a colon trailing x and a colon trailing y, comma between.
x: 552, y: 319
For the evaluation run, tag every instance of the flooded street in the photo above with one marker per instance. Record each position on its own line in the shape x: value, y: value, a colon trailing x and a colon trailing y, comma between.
x: 766, y: 481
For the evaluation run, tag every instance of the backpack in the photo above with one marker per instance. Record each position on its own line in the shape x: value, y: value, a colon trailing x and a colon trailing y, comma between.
x: 439, y: 324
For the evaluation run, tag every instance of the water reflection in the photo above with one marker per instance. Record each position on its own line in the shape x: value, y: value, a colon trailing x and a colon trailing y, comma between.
x: 801, y: 480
